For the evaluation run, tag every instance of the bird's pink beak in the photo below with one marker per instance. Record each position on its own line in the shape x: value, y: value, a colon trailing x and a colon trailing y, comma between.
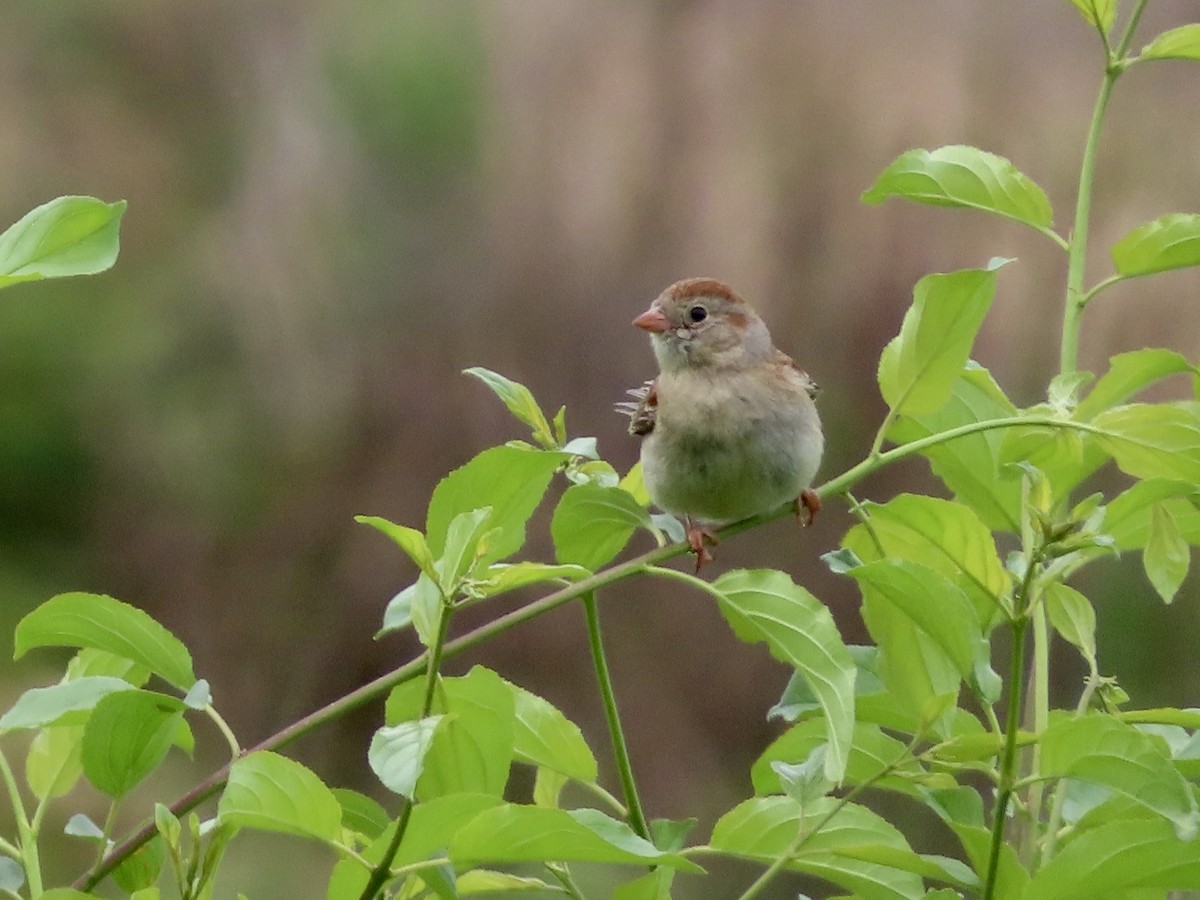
x: 653, y: 321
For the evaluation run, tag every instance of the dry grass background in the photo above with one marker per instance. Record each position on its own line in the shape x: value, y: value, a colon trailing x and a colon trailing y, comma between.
x: 333, y: 210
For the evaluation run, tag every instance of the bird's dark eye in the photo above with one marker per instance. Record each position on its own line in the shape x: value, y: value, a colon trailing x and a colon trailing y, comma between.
x: 697, y: 313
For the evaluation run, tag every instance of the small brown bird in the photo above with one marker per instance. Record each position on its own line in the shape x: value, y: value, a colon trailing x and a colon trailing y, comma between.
x: 729, y: 426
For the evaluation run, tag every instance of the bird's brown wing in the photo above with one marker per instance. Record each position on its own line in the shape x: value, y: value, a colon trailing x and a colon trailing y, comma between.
x: 642, y: 409
x: 810, y: 386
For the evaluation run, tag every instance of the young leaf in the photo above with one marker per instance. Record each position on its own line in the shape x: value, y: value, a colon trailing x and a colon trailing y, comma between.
x: 1100, y: 13
x: 513, y: 833
x: 510, y: 480
x: 1114, y: 859
x: 544, y: 737
x: 1102, y: 750
x: 52, y: 766
x: 919, y: 366
x: 504, y: 577
x: 127, y: 735
x: 270, y: 792
x: 520, y: 403
x: 1166, y: 556
x: 1159, y: 440
x: 81, y: 826
x: 100, y: 622
x: 967, y: 178
x: 472, y: 751
x: 766, y: 605
x: 397, y: 753
x: 418, y: 605
x: 39, y: 707
x: 67, y: 236
x: 947, y: 537
x: 970, y: 465
x: 1128, y: 374
x: 466, y: 541
x: 1128, y: 517
x: 1177, y: 43
x: 592, y: 524
x: 411, y: 541
x: 1073, y: 617
x: 1170, y: 242
x: 764, y: 828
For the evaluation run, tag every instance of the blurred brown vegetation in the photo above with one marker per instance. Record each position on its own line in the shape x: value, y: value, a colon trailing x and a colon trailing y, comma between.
x: 334, y: 209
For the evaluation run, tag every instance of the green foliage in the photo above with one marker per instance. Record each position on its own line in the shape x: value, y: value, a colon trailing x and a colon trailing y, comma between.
x: 1092, y: 800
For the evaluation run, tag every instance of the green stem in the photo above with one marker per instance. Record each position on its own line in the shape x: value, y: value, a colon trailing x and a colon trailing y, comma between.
x: 635, y: 566
x: 637, y: 818
x: 1040, y: 699
x: 1060, y: 790
x: 27, y: 852
x: 235, y: 748
x: 383, y: 869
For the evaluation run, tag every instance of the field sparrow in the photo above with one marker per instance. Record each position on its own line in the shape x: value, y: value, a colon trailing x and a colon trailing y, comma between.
x: 729, y: 426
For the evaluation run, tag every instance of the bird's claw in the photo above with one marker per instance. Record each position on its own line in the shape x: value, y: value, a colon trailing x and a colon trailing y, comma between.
x: 697, y: 538
x: 808, y: 504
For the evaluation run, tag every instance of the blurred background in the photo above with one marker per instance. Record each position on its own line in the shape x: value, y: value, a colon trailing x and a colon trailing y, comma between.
x: 334, y: 209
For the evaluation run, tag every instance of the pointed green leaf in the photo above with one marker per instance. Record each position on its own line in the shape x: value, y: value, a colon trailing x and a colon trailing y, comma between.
x: 919, y: 366
x: 39, y: 707
x: 411, y: 541
x: 1159, y: 440
x: 1127, y: 519
x: 927, y: 865
x: 512, y: 833
x: 1100, y: 13
x: 126, y: 737
x: 765, y: 828
x: 964, y: 177
x: 100, y: 622
x: 52, y: 766
x: 419, y: 605
x: 520, y: 403
x: 467, y: 540
x: 654, y: 886
x: 1177, y: 43
x: 970, y: 466
x: 592, y: 524
x: 501, y: 578
x: 510, y: 480
x: 473, y: 749
x: 1170, y: 242
x: 1128, y: 374
x: 361, y: 814
x: 1113, y: 859
x: 1167, y: 554
x: 1102, y: 750
x: 766, y: 605
x: 946, y: 537
x: 1073, y: 617
x: 544, y: 737
x: 488, y: 881
x: 67, y: 236
x: 397, y: 753
x: 270, y: 792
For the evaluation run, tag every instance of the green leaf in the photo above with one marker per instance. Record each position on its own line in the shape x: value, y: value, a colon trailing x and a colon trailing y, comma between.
x: 592, y: 524
x: 139, y: 871
x: 466, y: 542
x: 270, y: 792
x: 1170, y: 242
x: 1117, y: 857
x: 513, y: 833
x: 39, y: 707
x: 66, y: 894
x: 544, y: 737
x: 1100, y: 13
x: 488, y: 881
x: 766, y: 605
x: 653, y: 886
x: 967, y: 178
x: 411, y: 541
x: 1166, y: 556
x: 397, y: 753
x: 361, y: 814
x: 766, y: 828
x: 1102, y: 750
x: 919, y: 366
x: 473, y: 749
x: 1128, y: 374
x: 1073, y: 617
x: 510, y: 480
x: 100, y: 622
x: 970, y: 466
x: 126, y: 737
x: 418, y: 605
x: 520, y: 403
x: 501, y: 578
x: 12, y: 876
x: 1160, y: 440
x: 52, y: 765
x: 1177, y: 43
x: 926, y: 865
x: 1127, y: 519
x: 946, y: 537
x: 67, y: 236
x: 804, y: 781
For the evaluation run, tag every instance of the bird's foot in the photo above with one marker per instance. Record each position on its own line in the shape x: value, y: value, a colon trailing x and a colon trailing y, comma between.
x: 808, y: 504
x: 697, y: 538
